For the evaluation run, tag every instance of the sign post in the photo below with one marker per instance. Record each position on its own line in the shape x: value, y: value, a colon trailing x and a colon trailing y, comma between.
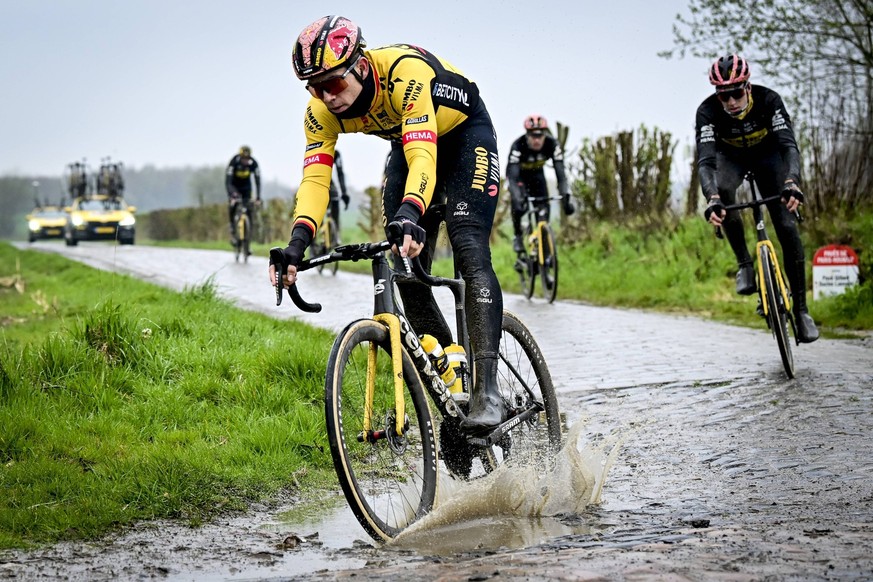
x: 834, y: 269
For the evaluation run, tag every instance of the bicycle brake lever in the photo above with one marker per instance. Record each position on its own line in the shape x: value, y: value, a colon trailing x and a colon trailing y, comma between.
x: 277, y: 258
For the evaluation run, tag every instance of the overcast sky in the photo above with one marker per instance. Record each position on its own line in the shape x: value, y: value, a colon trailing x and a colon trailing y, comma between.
x: 186, y: 82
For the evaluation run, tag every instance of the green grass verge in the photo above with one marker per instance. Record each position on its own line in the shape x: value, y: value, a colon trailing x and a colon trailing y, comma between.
x: 122, y: 401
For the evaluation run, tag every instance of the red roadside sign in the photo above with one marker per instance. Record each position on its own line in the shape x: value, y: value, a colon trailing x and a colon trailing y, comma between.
x: 834, y: 269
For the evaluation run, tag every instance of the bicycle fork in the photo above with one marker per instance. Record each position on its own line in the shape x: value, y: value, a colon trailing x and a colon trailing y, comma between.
x: 402, y: 338
x: 780, y: 282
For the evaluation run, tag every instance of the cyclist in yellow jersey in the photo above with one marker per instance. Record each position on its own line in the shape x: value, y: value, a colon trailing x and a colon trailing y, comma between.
x: 443, y: 166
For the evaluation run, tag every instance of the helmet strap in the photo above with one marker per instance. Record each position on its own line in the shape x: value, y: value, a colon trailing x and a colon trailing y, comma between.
x: 742, y: 114
x: 362, y: 104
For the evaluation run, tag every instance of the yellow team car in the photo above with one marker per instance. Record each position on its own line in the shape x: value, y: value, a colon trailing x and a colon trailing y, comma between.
x: 100, y: 217
x: 46, y: 222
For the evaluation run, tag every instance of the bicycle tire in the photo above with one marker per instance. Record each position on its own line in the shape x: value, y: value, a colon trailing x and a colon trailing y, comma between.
x: 522, y: 374
x: 389, y: 483
x: 532, y: 264
x: 245, y: 241
x: 549, y: 266
x: 237, y: 248
x: 777, y: 317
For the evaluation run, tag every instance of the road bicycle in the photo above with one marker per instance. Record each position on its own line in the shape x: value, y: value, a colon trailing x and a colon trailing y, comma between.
x: 773, y: 293
x: 541, y: 256
x: 380, y: 386
x: 326, y: 238
x: 242, y: 220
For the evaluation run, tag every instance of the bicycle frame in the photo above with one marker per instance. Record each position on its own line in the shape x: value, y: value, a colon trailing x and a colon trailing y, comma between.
x: 763, y: 241
x: 402, y: 336
x: 536, y: 222
x: 242, y: 210
x: 387, y: 312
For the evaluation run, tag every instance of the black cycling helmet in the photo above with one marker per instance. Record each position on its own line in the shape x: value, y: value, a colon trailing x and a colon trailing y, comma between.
x: 729, y: 71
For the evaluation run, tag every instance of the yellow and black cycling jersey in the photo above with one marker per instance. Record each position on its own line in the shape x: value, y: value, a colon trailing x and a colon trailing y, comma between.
x: 765, y: 128
x: 418, y: 97
x: 239, y: 174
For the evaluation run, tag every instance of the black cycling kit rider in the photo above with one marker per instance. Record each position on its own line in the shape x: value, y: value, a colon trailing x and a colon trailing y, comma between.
x: 742, y: 128
x: 525, y: 176
x: 238, y: 182
x: 443, y: 166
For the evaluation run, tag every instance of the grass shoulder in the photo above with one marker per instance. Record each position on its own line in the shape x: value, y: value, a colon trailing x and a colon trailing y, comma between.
x: 122, y: 401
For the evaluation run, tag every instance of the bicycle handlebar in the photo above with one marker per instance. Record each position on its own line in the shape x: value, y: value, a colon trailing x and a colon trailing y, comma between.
x: 752, y: 204
x: 352, y: 252
x: 543, y: 198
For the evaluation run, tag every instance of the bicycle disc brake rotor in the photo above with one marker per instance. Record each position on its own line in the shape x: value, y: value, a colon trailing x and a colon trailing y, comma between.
x: 398, y: 443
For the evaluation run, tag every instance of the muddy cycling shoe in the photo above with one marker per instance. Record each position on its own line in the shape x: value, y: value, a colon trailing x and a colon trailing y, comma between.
x: 486, y: 413
x: 487, y: 408
x: 746, y: 280
x: 807, y: 332
x: 455, y: 451
x: 517, y: 245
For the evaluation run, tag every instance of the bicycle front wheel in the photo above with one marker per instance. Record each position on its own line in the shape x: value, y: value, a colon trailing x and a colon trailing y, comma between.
x: 549, y: 266
x: 777, y: 312
x: 524, y: 380
x: 388, y: 479
x: 245, y: 237
x: 532, y: 268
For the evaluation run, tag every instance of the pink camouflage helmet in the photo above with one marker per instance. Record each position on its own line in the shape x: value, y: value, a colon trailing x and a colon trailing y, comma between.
x: 327, y: 44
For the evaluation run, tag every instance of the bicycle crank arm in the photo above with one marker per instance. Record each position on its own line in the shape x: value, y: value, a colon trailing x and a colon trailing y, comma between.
x: 498, y: 433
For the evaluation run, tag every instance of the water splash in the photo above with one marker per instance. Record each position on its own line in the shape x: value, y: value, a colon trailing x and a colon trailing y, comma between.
x: 516, y: 505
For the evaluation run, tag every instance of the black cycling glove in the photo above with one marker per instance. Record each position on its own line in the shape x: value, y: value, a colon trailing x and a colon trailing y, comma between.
x: 345, y: 198
x: 567, y: 204
x: 715, y: 205
x: 293, y: 253
x: 400, y: 227
x: 789, y: 193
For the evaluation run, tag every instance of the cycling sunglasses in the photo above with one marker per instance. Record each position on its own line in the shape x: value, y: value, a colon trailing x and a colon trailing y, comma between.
x: 334, y: 85
x: 735, y: 94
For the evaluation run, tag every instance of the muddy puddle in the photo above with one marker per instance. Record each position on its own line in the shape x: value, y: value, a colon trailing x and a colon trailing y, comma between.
x: 509, y: 509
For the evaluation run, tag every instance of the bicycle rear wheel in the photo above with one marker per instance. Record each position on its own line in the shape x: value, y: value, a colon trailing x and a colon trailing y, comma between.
x: 389, y: 481
x: 549, y: 266
x: 777, y: 312
x: 523, y: 378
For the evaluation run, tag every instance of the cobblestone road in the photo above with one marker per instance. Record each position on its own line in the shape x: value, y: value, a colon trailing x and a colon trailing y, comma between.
x: 729, y: 471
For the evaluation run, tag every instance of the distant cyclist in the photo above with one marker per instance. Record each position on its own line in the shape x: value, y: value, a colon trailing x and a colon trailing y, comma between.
x: 443, y: 167
x: 525, y: 176
x: 744, y: 128
x: 238, y: 182
x: 338, y: 194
